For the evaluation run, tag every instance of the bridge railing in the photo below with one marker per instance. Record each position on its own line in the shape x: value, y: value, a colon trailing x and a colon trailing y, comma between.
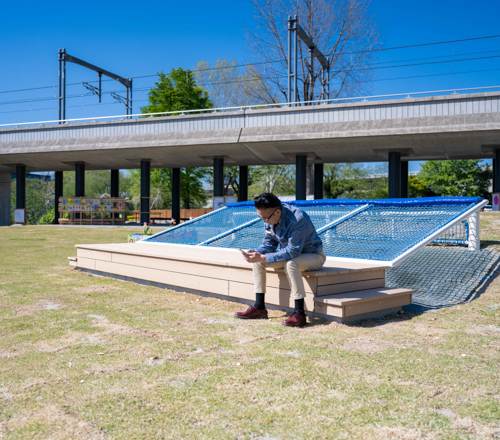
x: 343, y: 100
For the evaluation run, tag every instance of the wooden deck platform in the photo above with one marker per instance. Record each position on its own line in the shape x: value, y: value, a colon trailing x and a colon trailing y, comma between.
x: 342, y: 291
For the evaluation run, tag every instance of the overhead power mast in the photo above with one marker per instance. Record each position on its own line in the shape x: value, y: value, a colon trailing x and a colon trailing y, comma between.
x: 64, y: 57
x: 295, y: 32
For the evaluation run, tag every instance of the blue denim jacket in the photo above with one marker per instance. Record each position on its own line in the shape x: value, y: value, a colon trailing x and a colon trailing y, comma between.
x: 295, y: 234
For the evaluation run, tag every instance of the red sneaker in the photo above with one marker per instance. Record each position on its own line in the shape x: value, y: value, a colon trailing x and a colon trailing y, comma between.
x: 252, y: 313
x: 296, y: 320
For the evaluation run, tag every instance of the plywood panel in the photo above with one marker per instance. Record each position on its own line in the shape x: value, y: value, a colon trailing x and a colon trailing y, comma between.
x: 274, y: 296
x: 350, y: 277
x: 375, y: 306
x: 194, y: 282
x: 273, y: 279
x: 96, y: 255
x: 350, y: 287
x: 187, y: 267
x: 85, y: 263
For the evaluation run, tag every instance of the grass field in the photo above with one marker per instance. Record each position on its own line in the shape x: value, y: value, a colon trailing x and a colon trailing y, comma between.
x: 83, y: 357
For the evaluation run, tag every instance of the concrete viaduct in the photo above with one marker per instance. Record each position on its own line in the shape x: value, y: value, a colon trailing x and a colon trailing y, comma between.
x: 445, y: 126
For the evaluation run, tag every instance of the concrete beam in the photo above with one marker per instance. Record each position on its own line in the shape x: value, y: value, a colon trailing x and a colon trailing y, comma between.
x: 5, y: 200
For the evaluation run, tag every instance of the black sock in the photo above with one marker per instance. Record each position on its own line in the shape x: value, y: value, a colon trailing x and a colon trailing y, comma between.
x: 299, y: 306
x: 259, y: 301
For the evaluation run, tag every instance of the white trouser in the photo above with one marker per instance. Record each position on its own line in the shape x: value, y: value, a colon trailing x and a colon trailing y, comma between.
x: 293, y: 269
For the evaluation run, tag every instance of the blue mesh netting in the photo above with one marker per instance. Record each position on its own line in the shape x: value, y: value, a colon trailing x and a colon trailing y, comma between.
x: 385, y: 230
x: 384, y: 233
x: 458, y: 234
x: 208, y: 226
x: 251, y: 236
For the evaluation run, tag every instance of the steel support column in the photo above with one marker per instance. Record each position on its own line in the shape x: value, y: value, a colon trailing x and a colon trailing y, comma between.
x: 301, y: 177
x: 394, y: 175
x: 243, y: 184
x: 58, y: 192
x: 79, y: 180
x: 318, y: 181
x: 145, y: 190
x: 218, y: 177
x: 115, y: 183
x: 20, y: 186
x: 404, y: 179
x: 494, y: 180
x: 176, y: 195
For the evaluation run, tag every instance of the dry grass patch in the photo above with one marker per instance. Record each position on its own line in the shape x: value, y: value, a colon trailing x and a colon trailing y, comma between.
x: 119, y: 360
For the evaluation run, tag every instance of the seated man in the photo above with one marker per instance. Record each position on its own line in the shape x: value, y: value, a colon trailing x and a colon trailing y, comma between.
x: 300, y: 249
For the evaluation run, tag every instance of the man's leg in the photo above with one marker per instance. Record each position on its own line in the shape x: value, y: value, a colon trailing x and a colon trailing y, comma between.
x: 258, y: 310
x: 293, y: 270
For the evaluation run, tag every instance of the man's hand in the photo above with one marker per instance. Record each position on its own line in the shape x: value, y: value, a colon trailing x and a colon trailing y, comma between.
x: 254, y: 256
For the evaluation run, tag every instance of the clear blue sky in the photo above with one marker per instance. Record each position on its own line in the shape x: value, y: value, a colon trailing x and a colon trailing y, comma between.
x: 136, y: 38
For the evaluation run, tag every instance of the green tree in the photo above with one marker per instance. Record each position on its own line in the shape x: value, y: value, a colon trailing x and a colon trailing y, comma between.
x: 354, y: 181
x: 39, y: 199
x: 456, y: 177
x: 176, y: 91
x: 418, y: 187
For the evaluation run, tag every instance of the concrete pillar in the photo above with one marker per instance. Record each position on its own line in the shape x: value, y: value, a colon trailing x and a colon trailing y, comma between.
x: 300, y: 177
x: 394, y: 175
x: 5, y: 201
x: 243, y: 184
x: 20, y: 186
x: 309, y: 179
x: 58, y: 192
x: 80, y: 180
x: 318, y: 181
x: 404, y: 179
x: 176, y: 195
x: 496, y: 171
x: 145, y: 190
x: 115, y: 183
x: 218, y: 177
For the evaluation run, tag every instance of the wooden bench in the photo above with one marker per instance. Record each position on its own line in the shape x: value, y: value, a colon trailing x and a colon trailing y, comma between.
x: 342, y: 291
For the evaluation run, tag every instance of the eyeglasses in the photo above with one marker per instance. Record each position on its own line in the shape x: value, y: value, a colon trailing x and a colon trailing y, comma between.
x: 269, y: 218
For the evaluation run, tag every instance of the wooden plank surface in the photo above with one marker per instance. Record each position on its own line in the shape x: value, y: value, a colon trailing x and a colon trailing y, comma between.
x: 362, y: 296
x: 350, y: 287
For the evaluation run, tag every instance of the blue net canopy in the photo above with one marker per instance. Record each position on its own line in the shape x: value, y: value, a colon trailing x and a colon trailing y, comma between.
x: 364, y: 229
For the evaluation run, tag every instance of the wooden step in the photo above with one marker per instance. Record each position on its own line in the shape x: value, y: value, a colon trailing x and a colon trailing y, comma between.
x: 363, y: 304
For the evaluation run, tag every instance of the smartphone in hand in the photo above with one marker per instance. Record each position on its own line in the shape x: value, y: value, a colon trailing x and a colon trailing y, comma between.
x: 243, y: 252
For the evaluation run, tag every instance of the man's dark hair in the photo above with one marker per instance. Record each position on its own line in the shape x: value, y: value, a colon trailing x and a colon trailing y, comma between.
x: 266, y: 201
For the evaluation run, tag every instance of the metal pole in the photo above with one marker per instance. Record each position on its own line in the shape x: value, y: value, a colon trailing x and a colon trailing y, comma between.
x: 126, y: 103
x: 99, y: 74
x: 131, y: 112
x: 496, y: 171
x: 59, y: 100
x: 289, y: 59
x: 295, y: 91
x: 64, y: 87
